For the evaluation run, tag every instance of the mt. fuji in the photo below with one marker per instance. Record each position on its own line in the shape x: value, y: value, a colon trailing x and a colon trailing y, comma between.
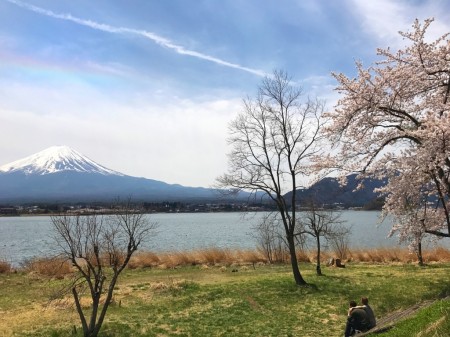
x: 61, y: 174
x: 56, y: 159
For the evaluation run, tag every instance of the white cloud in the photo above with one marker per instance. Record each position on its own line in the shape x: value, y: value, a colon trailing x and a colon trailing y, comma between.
x: 322, y: 87
x: 178, y: 142
x: 383, y: 19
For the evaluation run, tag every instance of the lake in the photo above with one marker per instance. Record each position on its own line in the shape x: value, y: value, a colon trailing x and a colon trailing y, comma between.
x: 22, y: 238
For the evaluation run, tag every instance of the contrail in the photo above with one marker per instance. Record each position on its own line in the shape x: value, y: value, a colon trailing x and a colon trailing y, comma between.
x: 143, y: 33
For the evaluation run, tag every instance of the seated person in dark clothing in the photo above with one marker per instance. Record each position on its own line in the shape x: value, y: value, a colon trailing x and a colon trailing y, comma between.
x: 369, y: 312
x: 370, y: 315
x: 357, y: 320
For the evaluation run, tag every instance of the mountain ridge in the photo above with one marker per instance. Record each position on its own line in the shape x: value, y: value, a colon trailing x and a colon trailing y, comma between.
x: 329, y: 192
x: 61, y: 174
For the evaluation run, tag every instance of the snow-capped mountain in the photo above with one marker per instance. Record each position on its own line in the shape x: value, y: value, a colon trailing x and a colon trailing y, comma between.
x: 61, y: 174
x: 56, y: 159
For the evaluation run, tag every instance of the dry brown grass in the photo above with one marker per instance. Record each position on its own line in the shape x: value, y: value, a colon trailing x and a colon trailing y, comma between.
x: 5, y: 267
x: 53, y: 267
x: 227, y: 257
x: 204, y: 257
x: 67, y: 302
x: 249, y: 257
x: 169, y: 285
x: 398, y: 255
x: 144, y: 260
x: 305, y: 256
x: 438, y: 254
x: 58, y: 268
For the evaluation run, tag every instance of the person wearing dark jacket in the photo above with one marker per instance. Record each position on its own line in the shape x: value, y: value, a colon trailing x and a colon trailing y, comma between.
x: 357, y: 320
x: 369, y: 312
x: 370, y: 315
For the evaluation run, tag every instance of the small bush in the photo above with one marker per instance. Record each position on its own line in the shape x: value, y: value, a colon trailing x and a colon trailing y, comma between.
x: 302, y: 256
x: 5, y: 267
x: 144, y: 260
x: 53, y: 267
x: 437, y: 255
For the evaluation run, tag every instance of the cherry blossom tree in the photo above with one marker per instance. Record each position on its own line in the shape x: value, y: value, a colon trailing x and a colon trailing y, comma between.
x: 273, y: 140
x: 409, y: 224
x: 393, y: 121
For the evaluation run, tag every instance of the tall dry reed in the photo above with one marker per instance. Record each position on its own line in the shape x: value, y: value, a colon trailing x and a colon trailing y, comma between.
x: 210, y: 256
x: 227, y: 257
x: 51, y: 266
x: 58, y: 268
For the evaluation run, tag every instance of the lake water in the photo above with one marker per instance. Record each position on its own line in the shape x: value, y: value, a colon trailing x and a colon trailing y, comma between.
x: 22, y: 238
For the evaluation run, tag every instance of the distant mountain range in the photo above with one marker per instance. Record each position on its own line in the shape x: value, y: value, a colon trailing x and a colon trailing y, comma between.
x: 60, y: 174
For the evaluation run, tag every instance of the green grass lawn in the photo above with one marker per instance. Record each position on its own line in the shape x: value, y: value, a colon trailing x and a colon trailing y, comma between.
x: 192, y: 301
x: 433, y: 321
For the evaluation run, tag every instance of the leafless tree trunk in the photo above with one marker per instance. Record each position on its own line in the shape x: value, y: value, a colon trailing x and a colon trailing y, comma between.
x: 317, y: 223
x: 273, y: 141
x: 99, y: 247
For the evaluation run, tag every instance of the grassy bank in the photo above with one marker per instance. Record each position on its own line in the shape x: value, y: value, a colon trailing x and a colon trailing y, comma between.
x: 220, y: 299
x: 433, y: 321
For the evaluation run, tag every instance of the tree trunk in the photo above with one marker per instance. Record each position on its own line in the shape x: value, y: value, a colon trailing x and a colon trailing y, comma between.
x: 80, y: 312
x: 295, y: 269
x: 318, y: 269
x: 419, y: 253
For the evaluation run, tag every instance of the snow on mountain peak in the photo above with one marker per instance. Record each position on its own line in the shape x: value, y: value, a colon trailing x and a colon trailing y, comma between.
x: 56, y: 159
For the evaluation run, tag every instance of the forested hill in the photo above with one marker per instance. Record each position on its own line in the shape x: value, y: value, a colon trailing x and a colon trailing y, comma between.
x: 329, y: 192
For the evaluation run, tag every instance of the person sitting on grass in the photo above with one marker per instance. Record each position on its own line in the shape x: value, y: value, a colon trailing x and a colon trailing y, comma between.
x: 357, y: 320
x: 369, y: 312
x: 370, y: 315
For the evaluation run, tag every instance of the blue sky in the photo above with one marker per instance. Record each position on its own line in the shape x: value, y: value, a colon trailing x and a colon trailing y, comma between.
x: 148, y: 87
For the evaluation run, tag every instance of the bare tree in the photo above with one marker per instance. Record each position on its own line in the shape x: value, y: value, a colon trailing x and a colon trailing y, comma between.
x: 339, y: 241
x: 269, y: 238
x: 318, y: 222
x: 99, y: 247
x: 273, y: 140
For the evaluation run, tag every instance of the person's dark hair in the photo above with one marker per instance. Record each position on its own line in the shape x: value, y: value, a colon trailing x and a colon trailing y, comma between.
x: 352, y: 304
x: 364, y: 300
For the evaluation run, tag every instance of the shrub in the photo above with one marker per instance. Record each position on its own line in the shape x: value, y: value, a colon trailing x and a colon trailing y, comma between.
x: 144, y: 260
x: 438, y: 254
x: 5, y: 267
x: 51, y: 266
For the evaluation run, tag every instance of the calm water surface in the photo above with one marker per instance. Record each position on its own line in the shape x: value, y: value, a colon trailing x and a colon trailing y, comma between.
x: 22, y: 238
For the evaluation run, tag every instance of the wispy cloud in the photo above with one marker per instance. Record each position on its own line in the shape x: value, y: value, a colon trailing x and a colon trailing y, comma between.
x: 164, y: 42
x: 384, y: 18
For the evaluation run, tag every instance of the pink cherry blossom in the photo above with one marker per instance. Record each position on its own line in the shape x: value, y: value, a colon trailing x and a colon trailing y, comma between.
x: 392, y: 122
